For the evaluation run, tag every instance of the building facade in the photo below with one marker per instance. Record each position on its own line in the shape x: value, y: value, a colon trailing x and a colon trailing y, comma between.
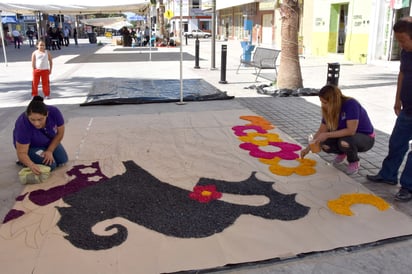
x: 192, y: 16
x: 359, y: 31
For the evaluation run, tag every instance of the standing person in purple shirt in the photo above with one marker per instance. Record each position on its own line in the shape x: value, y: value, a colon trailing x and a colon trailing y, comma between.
x: 402, y: 131
x: 37, y: 136
x: 345, y: 129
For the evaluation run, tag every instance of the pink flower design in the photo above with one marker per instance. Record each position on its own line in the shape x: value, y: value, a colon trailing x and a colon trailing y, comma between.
x: 286, y: 152
x: 240, y: 130
x: 205, y: 194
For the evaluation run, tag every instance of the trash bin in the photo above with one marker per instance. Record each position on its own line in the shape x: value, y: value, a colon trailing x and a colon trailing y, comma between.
x: 92, y: 37
x: 333, y: 74
x: 247, y: 50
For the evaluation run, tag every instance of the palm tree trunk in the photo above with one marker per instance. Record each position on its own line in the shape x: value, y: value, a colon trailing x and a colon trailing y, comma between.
x: 290, y: 75
x: 161, y: 17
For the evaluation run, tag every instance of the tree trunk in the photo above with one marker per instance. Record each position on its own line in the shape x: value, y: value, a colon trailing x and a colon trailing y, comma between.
x: 290, y: 75
x: 161, y: 17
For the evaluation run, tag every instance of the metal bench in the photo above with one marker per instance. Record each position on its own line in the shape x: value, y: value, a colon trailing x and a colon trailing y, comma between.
x: 262, y: 58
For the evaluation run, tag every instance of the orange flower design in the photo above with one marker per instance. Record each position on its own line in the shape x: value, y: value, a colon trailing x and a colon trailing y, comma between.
x: 305, y: 168
x: 258, y: 121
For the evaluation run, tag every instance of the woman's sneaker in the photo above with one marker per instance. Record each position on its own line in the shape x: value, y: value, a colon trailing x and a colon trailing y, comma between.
x: 339, y: 159
x: 403, y: 195
x: 352, y: 168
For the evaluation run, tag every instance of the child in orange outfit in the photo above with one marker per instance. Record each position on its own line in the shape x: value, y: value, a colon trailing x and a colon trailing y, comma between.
x: 42, y: 64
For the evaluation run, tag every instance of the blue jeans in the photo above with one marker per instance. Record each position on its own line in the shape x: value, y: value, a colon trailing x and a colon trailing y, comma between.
x: 59, y: 155
x: 398, y: 147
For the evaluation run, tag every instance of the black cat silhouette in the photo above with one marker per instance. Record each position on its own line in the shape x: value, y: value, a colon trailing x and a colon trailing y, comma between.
x: 141, y: 198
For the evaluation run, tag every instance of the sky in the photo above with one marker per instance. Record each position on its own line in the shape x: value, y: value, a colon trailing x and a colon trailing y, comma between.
x: 76, y: 2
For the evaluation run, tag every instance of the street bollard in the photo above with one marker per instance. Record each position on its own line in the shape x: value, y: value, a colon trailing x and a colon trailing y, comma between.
x: 333, y: 74
x: 186, y: 39
x: 197, y: 45
x: 223, y: 65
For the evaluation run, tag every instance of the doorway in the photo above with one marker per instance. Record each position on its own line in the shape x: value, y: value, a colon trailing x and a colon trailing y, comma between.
x: 343, y: 20
x: 337, y: 28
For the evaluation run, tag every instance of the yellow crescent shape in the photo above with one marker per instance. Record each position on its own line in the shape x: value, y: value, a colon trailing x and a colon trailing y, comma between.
x: 345, y: 201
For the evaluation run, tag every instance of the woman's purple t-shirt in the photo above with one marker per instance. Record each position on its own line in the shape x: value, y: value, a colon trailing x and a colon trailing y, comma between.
x: 352, y: 110
x: 25, y: 133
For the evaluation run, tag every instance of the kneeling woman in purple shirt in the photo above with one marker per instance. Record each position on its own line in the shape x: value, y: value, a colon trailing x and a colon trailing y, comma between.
x: 345, y: 128
x: 37, y: 136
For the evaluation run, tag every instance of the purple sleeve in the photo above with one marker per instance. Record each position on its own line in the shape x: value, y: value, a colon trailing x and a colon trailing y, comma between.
x: 56, y: 115
x: 22, y: 130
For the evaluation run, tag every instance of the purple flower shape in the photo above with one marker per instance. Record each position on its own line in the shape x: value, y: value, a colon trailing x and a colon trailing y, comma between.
x: 240, y: 130
x: 287, y: 150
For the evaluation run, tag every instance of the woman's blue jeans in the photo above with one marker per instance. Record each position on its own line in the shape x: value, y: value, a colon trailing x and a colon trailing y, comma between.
x: 398, y: 147
x: 59, y: 155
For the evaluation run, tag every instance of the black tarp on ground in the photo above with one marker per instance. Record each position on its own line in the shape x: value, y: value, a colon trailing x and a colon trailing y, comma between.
x: 125, y: 91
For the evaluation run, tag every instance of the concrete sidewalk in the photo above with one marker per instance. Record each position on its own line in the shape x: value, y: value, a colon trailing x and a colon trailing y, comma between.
x: 373, y: 85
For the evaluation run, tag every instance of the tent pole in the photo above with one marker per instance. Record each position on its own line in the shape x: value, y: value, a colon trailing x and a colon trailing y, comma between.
x: 3, y: 41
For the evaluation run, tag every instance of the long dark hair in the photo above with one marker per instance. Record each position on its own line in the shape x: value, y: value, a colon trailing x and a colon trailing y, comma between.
x: 36, y: 106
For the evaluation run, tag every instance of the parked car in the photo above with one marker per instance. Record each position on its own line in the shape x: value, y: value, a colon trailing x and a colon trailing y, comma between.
x: 197, y: 33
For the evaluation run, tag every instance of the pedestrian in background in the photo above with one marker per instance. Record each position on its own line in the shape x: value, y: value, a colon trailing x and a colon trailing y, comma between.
x: 42, y: 64
x: 37, y: 136
x: 66, y: 33
x: 75, y: 37
x: 16, y: 38
x: 402, y: 131
x: 30, y: 37
x: 345, y: 128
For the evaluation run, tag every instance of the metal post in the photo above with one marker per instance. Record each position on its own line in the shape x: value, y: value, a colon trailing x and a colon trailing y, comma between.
x: 181, y: 53
x: 213, y: 49
x: 333, y: 74
x: 223, y: 65
x: 2, y: 42
x: 197, y: 45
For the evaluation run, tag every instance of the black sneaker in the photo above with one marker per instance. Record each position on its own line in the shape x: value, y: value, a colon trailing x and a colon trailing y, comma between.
x: 379, y: 179
x: 403, y: 195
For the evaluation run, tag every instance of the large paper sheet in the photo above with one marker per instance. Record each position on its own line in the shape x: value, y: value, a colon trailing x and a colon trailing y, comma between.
x: 156, y: 193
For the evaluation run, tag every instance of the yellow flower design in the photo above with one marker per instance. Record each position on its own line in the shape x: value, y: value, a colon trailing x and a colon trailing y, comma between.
x: 345, y: 201
x: 260, y: 139
x: 305, y: 168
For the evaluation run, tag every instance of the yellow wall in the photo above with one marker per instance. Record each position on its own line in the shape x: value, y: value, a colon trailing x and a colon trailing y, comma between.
x: 356, y: 48
x: 320, y: 44
x: 324, y: 34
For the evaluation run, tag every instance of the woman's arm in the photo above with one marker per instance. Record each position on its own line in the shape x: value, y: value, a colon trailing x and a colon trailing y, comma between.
x: 22, y: 151
x: 48, y: 154
x: 322, y: 128
x: 350, y: 130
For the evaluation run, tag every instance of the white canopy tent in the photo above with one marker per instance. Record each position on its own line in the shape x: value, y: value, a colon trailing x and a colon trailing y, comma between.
x: 71, y: 7
x: 118, y: 25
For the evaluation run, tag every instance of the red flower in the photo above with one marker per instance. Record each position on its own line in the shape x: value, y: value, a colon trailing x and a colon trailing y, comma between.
x: 205, y: 194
